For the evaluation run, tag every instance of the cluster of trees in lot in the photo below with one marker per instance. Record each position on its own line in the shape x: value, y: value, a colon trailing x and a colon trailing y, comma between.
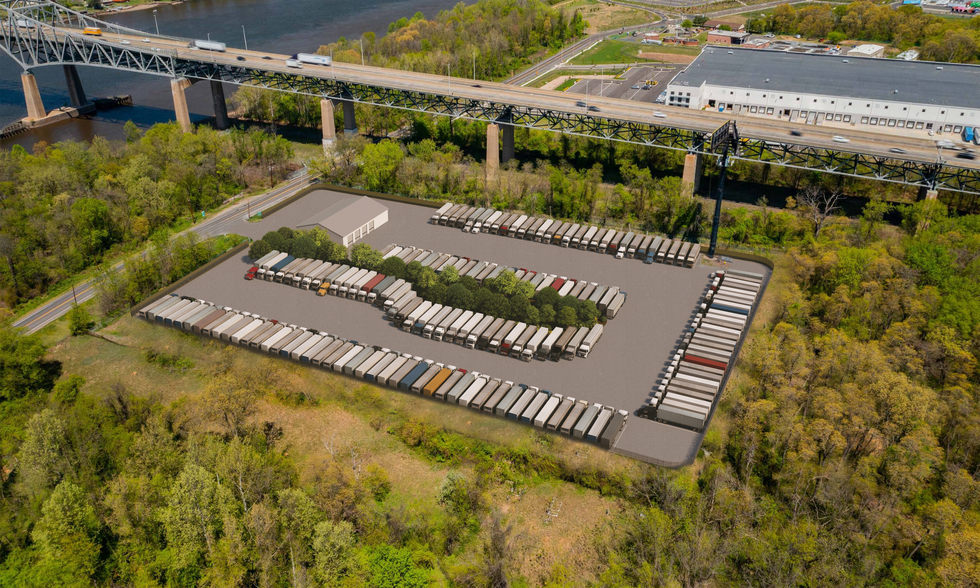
x: 502, y: 297
x: 65, y: 207
x: 939, y: 39
x: 844, y: 452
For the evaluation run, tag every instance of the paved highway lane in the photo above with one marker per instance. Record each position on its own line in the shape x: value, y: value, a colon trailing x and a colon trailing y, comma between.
x: 219, y: 224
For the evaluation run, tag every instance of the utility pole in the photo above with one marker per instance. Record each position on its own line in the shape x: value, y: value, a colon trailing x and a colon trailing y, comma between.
x: 362, y: 50
x: 75, y: 298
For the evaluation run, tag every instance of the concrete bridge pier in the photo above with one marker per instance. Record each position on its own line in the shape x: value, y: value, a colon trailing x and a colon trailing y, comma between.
x: 220, y: 107
x: 35, y: 108
x: 926, y: 193
x: 693, y: 165
x: 74, y: 83
x: 493, y: 151
x: 183, y: 115
x: 350, y: 123
x: 507, y: 134
x: 329, y: 127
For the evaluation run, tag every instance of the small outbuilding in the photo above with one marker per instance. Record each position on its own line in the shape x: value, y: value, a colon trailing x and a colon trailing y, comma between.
x: 350, y: 219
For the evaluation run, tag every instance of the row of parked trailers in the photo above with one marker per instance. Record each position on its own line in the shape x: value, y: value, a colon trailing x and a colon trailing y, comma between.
x: 408, y: 311
x: 401, y: 371
x: 621, y: 244
x: 346, y: 280
x: 693, y: 380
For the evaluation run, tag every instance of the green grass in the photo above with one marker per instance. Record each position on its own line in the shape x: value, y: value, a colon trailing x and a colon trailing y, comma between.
x: 609, y: 52
x: 566, y: 84
x: 537, y: 83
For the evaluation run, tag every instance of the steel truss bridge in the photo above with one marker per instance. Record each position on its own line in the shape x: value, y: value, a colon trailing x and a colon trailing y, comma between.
x: 40, y: 33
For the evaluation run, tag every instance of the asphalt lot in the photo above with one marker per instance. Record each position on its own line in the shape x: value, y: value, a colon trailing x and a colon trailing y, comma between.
x: 623, y: 88
x: 621, y: 372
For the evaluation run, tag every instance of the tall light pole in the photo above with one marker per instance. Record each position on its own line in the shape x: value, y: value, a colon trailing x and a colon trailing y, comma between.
x: 362, y: 50
x: 244, y: 37
x: 474, y: 65
x: 449, y: 78
x: 210, y: 52
x: 155, y: 23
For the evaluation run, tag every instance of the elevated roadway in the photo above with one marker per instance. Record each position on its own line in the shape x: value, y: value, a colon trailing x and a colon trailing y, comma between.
x: 868, y: 154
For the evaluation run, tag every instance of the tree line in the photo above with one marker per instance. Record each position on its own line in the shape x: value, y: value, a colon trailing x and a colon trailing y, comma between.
x: 501, y: 297
x: 66, y: 207
x: 938, y: 39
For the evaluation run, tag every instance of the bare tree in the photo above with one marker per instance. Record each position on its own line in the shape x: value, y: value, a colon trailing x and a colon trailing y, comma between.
x: 817, y: 204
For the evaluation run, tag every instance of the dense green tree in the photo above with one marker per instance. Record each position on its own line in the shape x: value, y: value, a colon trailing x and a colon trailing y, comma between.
x: 547, y: 315
x: 566, y: 317
x: 380, y: 162
x: 497, y: 306
x: 547, y: 296
x: 303, y: 247
x: 23, y: 368
x: 333, y: 549
x: 587, y: 312
x: 66, y: 390
x: 192, y: 517
x: 504, y: 283
x: 393, y: 266
x: 458, y: 296
x: 412, y: 271
x: 66, y: 536
x: 449, y: 275
x: 520, y: 307
x: 79, y: 321
x: 364, y: 256
x: 259, y: 249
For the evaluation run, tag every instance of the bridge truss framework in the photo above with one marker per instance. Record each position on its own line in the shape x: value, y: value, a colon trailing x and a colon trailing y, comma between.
x: 38, y: 44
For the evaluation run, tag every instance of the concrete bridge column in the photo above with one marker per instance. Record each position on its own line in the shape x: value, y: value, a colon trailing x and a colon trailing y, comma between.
x: 693, y: 164
x: 74, y: 83
x: 493, y: 151
x: 507, y: 133
x: 329, y: 127
x: 183, y: 115
x: 350, y: 123
x: 927, y: 194
x: 220, y: 107
x: 35, y: 108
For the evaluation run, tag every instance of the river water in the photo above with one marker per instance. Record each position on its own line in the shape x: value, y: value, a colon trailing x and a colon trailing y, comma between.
x: 272, y: 25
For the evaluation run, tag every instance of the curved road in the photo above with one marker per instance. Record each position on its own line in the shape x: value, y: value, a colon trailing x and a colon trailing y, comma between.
x: 216, y: 225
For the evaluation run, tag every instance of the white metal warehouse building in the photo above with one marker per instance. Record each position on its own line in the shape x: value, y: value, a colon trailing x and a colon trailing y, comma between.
x: 831, y: 90
x: 350, y: 219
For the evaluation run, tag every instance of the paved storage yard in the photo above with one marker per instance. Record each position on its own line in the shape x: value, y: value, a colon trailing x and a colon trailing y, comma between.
x: 622, y: 371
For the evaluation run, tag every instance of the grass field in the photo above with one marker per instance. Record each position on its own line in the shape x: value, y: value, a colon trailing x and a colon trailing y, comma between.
x: 569, y: 72
x: 566, y: 84
x: 609, y: 52
x: 605, y: 17
x: 321, y: 412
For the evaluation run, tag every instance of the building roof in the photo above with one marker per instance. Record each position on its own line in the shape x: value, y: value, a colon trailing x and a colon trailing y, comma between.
x: 867, y: 49
x: 347, y: 215
x: 733, y: 34
x: 919, y: 82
